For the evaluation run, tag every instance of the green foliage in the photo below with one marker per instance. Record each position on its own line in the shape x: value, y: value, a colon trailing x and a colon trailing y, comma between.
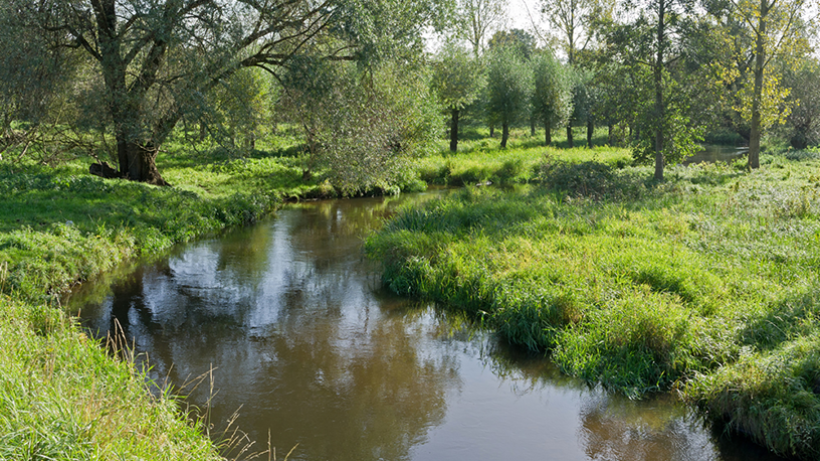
x: 508, y: 86
x: 552, y: 95
x: 457, y: 78
x: 363, y: 126
x: 521, y: 42
x: 804, y: 117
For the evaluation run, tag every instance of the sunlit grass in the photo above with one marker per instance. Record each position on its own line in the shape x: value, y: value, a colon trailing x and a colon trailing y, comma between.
x: 705, y: 282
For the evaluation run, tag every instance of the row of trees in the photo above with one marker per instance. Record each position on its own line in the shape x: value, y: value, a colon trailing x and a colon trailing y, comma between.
x: 659, y: 72
x: 118, y: 77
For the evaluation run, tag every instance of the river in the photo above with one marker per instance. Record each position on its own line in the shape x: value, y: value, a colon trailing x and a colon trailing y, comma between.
x: 290, y: 327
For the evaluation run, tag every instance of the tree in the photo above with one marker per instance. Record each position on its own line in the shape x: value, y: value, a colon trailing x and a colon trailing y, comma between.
x: 508, y: 88
x: 362, y: 124
x: 30, y: 82
x: 574, y: 20
x: 654, y: 33
x: 388, y: 117
x: 552, y: 92
x: 775, y: 26
x: 478, y: 18
x: 160, y: 58
x: 457, y: 80
x: 520, y: 41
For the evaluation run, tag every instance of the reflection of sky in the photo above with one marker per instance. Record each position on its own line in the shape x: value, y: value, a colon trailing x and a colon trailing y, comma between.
x: 287, y: 314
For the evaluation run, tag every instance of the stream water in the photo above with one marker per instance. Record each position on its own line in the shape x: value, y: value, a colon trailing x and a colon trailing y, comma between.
x: 313, y: 353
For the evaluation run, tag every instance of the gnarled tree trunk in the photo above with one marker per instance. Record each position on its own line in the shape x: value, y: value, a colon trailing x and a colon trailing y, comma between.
x: 137, y: 160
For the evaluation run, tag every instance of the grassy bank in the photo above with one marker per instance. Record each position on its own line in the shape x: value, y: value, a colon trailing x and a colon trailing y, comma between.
x: 61, y: 395
x: 707, y: 283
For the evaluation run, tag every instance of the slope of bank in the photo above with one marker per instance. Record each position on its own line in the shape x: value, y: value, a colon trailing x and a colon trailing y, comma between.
x: 707, y: 283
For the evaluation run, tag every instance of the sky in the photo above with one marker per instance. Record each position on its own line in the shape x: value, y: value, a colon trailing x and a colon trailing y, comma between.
x: 518, y: 13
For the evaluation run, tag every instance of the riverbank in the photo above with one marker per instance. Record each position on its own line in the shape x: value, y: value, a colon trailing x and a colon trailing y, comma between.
x: 63, y: 396
x: 706, y: 283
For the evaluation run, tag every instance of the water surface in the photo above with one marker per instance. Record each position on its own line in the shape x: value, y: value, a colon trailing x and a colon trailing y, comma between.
x: 308, y: 348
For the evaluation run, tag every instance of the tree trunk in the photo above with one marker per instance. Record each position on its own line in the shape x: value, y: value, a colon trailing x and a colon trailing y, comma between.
x: 454, y: 132
x: 142, y: 165
x: 532, y: 126
x: 659, y: 94
x: 609, y: 139
x: 547, y: 131
x: 569, y: 136
x: 492, y: 131
x: 760, y: 61
x: 505, y: 134
x: 590, y: 129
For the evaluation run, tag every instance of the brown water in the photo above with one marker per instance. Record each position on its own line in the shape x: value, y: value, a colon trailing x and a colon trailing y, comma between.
x: 309, y: 348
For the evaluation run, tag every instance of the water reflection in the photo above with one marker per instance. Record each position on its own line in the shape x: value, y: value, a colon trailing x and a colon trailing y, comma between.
x: 290, y: 314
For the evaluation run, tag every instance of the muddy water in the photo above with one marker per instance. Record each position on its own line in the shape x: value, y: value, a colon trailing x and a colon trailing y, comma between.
x: 308, y: 348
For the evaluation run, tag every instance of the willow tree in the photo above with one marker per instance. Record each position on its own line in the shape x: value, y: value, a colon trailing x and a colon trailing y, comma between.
x: 552, y: 92
x: 160, y: 58
x: 508, y: 88
x: 458, y: 80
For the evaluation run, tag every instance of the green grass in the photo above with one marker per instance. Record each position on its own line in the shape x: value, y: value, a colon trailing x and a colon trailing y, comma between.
x: 479, y: 159
x: 63, y: 398
x: 705, y: 283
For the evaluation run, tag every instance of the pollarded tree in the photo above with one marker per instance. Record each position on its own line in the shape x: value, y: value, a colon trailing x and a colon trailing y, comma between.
x: 457, y: 80
x: 387, y: 116
x: 508, y: 89
x: 160, y: 58
x: 552, y: 92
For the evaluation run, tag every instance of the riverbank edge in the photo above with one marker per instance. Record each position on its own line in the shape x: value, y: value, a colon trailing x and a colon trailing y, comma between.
x: 86, y: 403
x: 431, y: 253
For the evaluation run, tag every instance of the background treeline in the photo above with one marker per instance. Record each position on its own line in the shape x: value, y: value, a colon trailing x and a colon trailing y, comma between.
x: 367, y: 86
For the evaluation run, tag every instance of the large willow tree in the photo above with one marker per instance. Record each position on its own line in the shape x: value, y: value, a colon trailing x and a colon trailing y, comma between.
x: 159, y: 59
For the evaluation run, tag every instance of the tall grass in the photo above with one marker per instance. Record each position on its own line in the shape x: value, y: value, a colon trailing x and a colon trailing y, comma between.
x: 705, y: 283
